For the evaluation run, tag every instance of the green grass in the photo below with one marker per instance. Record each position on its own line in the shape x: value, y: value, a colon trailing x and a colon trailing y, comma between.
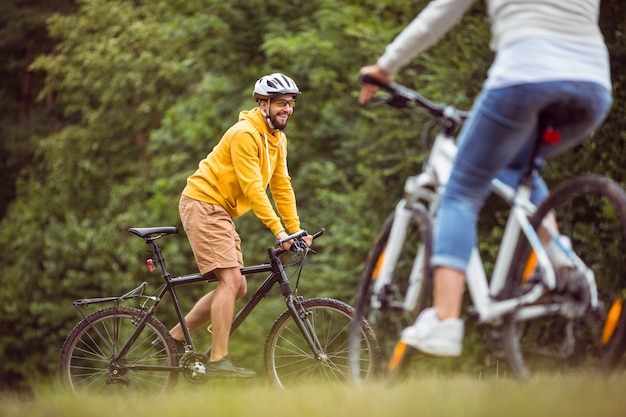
x: 458, y: 396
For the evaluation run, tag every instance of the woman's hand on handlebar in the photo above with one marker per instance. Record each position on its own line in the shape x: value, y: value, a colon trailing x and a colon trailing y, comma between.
x: 368, y: 90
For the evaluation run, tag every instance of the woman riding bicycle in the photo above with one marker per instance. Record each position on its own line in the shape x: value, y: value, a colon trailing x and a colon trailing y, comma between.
x: 550, y: 59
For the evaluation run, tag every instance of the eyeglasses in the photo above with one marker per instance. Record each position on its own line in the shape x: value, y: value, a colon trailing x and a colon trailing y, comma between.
x: 283, y: 102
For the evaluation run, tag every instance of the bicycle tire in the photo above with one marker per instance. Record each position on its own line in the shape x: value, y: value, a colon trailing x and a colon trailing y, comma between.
x: 591, y: 210
x: 86, y: 362
x: 391, y: 317
x: 289, y: 360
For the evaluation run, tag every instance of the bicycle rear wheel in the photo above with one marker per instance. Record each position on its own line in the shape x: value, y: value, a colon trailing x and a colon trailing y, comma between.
x: 390, y: 310
x: 289, y: 359
x: 591, y: 210
x: 88, y: 358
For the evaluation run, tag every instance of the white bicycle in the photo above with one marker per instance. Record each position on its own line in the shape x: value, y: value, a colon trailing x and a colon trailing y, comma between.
x: 525, y: 316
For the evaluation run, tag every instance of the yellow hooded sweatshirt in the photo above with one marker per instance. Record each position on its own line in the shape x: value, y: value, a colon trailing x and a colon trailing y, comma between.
x: 236, y: 174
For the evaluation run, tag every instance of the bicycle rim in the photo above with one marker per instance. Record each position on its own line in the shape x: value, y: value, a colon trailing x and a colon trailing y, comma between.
x: 591, y: 210
x: 289, y: 360
x: 386, y: 312
x: 87, y: 363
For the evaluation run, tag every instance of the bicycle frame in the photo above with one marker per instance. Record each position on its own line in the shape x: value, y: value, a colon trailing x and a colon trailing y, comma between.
x: 277, y: 276
x: 427, y: 187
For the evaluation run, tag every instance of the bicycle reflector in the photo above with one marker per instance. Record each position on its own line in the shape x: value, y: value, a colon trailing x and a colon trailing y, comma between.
x: 551, y: 136
x: 151, y: 265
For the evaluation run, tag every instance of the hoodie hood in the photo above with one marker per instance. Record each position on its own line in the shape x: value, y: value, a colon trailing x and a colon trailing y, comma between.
x: 274, y: 137
x: 237, y: 172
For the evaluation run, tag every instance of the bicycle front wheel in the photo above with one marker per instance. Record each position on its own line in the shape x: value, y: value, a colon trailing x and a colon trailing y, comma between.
x: 90, y: 362
x: 289, y: 359
x: 591, y: 210
x: 392, y: 303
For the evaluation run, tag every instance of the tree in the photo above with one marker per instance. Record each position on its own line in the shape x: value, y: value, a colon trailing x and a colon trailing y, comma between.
x: 23, y: 36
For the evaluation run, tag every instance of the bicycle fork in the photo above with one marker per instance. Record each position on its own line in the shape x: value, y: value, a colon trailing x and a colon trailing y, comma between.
x: 299, y: 313
x: 301, y: 317
x: 391, y: 252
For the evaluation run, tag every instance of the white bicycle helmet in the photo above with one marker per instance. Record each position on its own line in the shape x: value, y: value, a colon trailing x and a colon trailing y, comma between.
x: 270, y: 85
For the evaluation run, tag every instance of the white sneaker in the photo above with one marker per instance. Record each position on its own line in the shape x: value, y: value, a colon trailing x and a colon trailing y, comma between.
x: 433, y: 336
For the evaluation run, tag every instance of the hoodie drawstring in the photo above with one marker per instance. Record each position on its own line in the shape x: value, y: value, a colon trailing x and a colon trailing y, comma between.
x: 267, y: 154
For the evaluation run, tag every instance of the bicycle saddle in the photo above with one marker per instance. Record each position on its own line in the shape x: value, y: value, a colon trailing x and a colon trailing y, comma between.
x: 144, y: 232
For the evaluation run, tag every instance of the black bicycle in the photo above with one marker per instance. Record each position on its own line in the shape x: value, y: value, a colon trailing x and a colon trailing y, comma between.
x: 115, y: 346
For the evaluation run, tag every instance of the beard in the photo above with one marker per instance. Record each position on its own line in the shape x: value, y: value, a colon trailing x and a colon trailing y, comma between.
x: 277, y: 124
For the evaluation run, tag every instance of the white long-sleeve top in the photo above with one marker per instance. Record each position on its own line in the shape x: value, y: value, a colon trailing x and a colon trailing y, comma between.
x: 523, y: 32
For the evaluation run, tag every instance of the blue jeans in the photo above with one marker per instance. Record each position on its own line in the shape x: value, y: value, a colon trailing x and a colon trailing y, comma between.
x: 497, y: 141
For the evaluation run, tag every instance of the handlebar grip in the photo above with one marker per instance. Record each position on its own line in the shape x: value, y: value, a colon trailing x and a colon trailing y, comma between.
x: 300, y: 234
x: 368, y: 79
x: 291, y: 237
x: 320, y: 233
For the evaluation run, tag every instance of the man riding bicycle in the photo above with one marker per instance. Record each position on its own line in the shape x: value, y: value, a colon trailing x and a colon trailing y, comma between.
x: 228, y: 183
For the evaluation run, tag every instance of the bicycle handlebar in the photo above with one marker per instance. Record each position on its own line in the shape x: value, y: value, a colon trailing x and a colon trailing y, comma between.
x: 402, y: 96
x: 301, y: 233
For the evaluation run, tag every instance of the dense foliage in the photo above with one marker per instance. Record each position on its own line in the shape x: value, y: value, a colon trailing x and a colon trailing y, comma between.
x: 137, y: 92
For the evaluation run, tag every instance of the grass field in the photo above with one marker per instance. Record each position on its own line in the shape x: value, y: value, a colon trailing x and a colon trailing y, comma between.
x: 458, y: 395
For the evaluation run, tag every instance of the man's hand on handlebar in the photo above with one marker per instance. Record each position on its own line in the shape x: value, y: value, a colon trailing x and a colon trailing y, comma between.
x: 308, y: 239
x: 368, y: 90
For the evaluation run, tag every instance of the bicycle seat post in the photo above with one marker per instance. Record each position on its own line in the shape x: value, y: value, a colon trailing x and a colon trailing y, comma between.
x: 535, y: 162
x: 156, y: 250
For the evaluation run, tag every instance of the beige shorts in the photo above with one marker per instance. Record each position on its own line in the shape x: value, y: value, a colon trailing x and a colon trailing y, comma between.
x: 211, y: 232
